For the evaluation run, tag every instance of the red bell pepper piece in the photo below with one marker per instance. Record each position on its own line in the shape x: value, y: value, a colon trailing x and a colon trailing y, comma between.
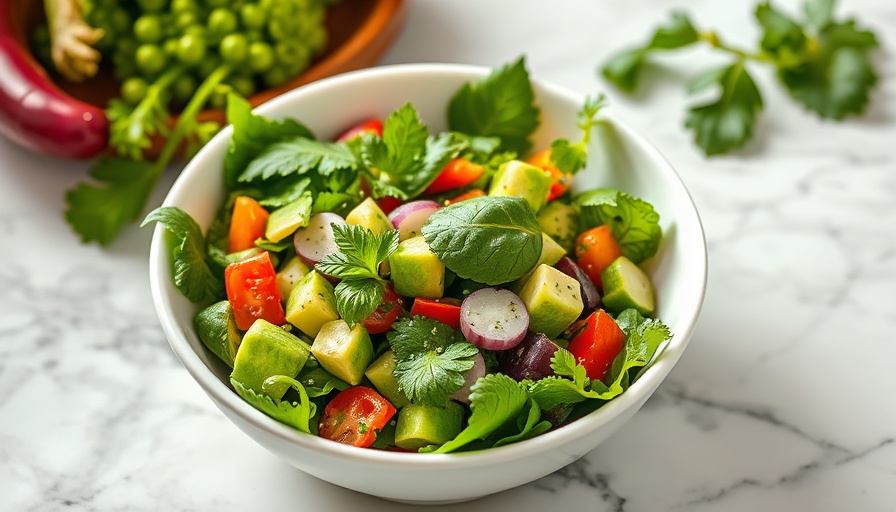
x: 442, y: 310
x: 597, y: 344
x: 252, y: 291
x: 386, y: 313
x: 457, y: 173
x: 354, y: 416
x: 374, y: 126
x: 247, y: 224
x: 470, y: 194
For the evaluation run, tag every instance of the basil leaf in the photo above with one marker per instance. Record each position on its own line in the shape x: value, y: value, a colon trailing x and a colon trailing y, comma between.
x: 491, y: 240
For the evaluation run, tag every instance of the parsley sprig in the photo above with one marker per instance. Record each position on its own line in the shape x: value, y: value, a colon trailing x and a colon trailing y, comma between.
x: 571, y: 157
x: 823, y: 63
x: 357, y: 263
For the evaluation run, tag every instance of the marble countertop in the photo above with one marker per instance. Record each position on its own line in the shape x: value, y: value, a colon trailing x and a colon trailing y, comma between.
x: 782, y: 401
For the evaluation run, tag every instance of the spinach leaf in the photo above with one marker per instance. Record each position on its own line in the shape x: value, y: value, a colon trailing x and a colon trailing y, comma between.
x: 491, y: 240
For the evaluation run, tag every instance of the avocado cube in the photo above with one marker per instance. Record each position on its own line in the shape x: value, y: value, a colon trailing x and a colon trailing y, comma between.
x: 285, y: 220
x: 311, y: 304
x: 551, y: 252
x: 380, y: 374
x: 423, y: 425
x: 216, y: 327
x: 268, y: 350
x: 289, y: 275
x: 343, y: 351
x: 553, y: 299
x: 416, y: 271
x: 627, y: 286
x: 561, y: 222
x: 519, y: 179
x: 369, y: 215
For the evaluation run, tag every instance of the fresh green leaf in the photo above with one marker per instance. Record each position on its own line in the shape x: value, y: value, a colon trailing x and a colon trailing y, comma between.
x: 319, y: 382
x: 500, y: 105
x: 818, y: 13
x: 287, y: 192
x: 336, y: 202
x: 528, y: 425
x: 298, y: 156
x: 494, y: 400
x: 131, y: 130
x: 403, y: 142
x: 727, y: 122
x: 837, y: 77
x: 252, y: 134
x: 633, y: 222
x: 192, y: 273
x: 295, y: 414
x: 431, y: 359
x: 269, y: 246
x: 623, y: 69
x: 782, y: 38
x: 97, y: 212
x: 572, y: 158
x: 356, y: 299
x: 491, y: 240
x: 642, y: 338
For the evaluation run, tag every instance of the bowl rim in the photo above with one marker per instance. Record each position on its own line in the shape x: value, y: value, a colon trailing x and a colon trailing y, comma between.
x: 222, y: 395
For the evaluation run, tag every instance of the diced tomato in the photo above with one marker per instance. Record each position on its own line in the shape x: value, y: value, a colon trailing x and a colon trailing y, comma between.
x: 560, y: 181
x: 386, y: 313
x: 389, y: 203
x: 374, y: 126
x: 445, y: 310
x: 252, y: 291
x: 247, y: 224
x: 597, y: 344
x: 354, y: 416
x: 470, y: 194
x: 457, y: 173
x: 595, y: 250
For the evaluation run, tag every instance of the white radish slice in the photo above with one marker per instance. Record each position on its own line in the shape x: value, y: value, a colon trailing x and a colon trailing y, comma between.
x: 473, y: 374
x: 494, y: 319
x: 315, y: 241
x: 409, y: 218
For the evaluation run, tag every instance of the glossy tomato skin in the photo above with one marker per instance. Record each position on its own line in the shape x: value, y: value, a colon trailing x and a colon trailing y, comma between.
x: 457, y: 173
x: 354, y: 416
x: 560, y: 181
x: 252, y: 291
x: 374, y: 126
x: 386, y: 313
x: 597, y: 343
x: 595, y: 249
x: 445, y: 310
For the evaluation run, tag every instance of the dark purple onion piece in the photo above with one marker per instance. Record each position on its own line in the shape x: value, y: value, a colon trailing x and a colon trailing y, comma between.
x: 531, y: 359
x: 590, y: 296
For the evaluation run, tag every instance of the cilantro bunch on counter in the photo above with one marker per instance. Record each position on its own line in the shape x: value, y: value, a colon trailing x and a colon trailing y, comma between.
x: 821, y: 61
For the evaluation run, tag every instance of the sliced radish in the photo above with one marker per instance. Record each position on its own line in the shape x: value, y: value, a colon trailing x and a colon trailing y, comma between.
x: 410, y: 217
x: 590, y: 296
x: 494, y: 319
x: 473, y: 374
x: 315, y: 241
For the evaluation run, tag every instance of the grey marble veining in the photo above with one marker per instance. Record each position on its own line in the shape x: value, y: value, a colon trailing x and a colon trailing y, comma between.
x: 784, y: 399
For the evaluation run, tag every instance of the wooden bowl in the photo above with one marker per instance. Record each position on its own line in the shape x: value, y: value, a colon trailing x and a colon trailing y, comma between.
x: 359, y: 32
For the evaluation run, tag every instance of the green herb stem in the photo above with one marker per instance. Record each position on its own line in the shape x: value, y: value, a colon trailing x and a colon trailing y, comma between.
x: 712, y: 38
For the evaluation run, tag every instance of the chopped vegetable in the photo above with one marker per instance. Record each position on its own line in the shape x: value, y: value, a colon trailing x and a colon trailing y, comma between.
x: 247, y: 224
x: 354, y: 416
x: 252, y: 291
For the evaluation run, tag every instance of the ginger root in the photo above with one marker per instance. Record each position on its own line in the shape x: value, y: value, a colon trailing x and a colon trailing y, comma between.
x: 72, y: 40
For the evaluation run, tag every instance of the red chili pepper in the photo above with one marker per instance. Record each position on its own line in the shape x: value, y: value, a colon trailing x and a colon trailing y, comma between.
x: 457, y: 173
x: 354, y: 416
x: 443, y: 310
x: 597, y: 344
x: 374, y: 126
x: 252, y: 291
x: 34, y: 112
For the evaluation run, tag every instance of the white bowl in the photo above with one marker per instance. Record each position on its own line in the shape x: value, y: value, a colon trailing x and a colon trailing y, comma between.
x: 620, y: 158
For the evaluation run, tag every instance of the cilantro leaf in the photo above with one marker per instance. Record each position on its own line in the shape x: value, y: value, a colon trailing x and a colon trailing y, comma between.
x: 500, y: 105
x: 836, y: 78
x: 782, y: 38
x: 624, y: 69
x: 299, y: 155
x: 192, y: 273
x: 494, y: 400
x: 726, y: 123
x: 97, y: 212
x: 572, y: 158
x: 643, y: 336
x: 633, y: 222
x: 818, y: 13
x: 252, y: 134
x: 357, y: 263
x: 431, y: 359
x: 295, y: 414
x: 403, y: 141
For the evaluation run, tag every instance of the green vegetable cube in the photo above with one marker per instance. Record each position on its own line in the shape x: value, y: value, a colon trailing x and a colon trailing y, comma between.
x: 423, y: 425
x: 380, y: 374
x: 369, y: 215
x: 627, y: 286
x: 268, y: 350
x: 311, y: 304
x: 553, y: 299
x: 286, y: 220
x: 416, y: 270
x: 561, y: 222
x: 345, y: 352
x: 289, y: 275
x: 519, y: 179
x: 551, y: 252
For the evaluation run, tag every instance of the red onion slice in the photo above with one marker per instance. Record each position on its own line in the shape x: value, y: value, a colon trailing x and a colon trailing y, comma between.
x: 494, y: 319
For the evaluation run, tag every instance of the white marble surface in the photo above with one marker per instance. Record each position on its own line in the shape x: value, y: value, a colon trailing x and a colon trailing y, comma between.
x: 783, y: 400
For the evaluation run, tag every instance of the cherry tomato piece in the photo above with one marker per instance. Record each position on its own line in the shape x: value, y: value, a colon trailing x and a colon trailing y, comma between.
x: 385, y: 314
x: 252, y: 291
x: 374, y: 126
x: 596, y: 248
x: 457, y: 173
x: 354, y: 416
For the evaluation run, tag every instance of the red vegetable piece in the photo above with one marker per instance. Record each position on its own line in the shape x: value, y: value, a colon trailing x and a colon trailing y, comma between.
x: 470, y: 194
x: 595, y: 250
x: 354, y: 416
x: 386, y: 313
x: 37, y: 114
x: 560, y: 181
x: 445, y: 310
x: 457, y: 173
x: 595, y: 346
x: 389, y: 203
x: 247, y: 223
x: 374, y: 126
x: 252, y: 291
